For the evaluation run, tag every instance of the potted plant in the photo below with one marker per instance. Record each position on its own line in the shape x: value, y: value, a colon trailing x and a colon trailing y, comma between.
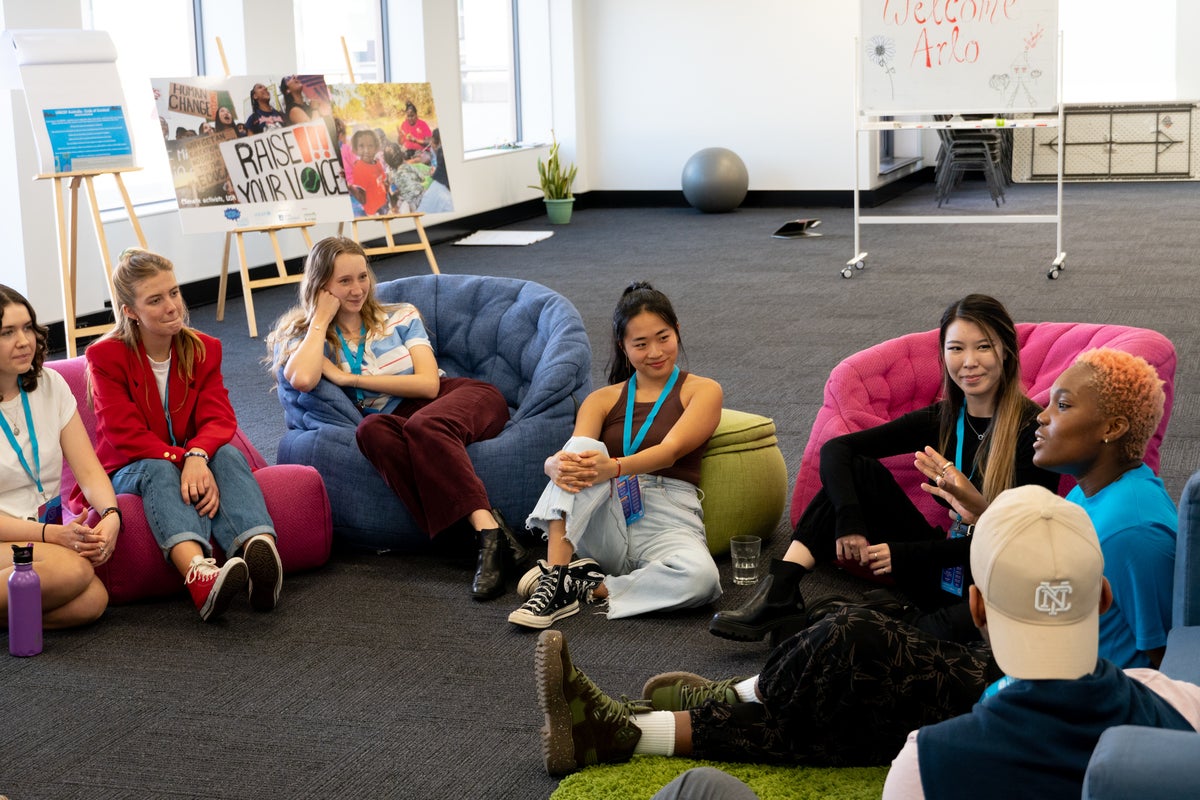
x: 556, y: 186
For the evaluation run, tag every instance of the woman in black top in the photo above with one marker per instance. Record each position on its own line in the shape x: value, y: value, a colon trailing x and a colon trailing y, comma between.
x: 978, y: 439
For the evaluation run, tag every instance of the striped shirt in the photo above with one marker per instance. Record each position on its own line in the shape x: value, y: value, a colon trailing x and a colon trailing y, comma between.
x: 389, y: 353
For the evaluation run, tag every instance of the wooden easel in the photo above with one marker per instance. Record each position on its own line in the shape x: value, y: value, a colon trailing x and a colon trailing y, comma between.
x: 68, y: 247
x: 247, y: 284
x: 386, y: 219
x: 391, y: 246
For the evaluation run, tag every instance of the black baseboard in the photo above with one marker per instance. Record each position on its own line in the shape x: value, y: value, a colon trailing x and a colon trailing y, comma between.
x: 204, y: 292
x: 760, y: 199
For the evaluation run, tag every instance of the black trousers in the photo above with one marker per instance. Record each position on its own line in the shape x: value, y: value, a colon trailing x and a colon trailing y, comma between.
x: 890, y: 516
x: 845, y: 692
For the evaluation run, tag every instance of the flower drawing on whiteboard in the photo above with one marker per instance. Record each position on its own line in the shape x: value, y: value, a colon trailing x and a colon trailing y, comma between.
x: 1022, y: 77
x: 881, y: 50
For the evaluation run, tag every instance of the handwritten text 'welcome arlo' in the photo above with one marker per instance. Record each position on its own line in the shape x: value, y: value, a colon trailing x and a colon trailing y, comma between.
x: 949, y: 21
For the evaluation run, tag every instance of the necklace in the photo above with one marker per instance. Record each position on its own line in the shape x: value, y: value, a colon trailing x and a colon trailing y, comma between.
x: 16, y: 429
x: 978, y: 435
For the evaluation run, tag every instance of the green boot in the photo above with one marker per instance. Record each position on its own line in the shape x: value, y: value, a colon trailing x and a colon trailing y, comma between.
x: 683, y: 691
x: 583, y: 726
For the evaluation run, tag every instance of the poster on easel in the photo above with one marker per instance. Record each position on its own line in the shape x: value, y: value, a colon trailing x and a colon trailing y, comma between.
x: 248, y: 151
x: 391, y: 148
x: 73, y: 92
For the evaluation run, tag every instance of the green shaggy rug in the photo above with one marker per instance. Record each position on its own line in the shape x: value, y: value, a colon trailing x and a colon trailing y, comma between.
x: 645, y: 775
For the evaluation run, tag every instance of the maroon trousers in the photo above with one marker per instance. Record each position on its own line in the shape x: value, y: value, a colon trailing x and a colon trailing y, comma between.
x: 420, y: 450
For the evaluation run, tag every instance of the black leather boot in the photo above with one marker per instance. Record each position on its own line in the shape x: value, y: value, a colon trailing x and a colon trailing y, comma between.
x: 776, y: 604
x: 520, y: 550
x: 494, y: 557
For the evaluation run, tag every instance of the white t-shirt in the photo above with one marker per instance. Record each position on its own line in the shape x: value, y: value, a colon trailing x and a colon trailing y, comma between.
x: 52, y: 406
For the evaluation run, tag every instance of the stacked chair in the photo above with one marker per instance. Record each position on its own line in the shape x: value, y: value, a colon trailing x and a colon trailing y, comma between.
x: 962, y: 151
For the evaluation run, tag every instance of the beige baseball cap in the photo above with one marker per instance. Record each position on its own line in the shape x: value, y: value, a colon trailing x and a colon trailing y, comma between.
x: 1037, y: 562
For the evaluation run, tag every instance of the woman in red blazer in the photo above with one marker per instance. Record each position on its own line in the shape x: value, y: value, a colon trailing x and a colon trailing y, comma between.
x: 164, y: 425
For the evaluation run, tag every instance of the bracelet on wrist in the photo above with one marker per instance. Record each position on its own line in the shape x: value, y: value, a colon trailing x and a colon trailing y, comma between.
x: 113, y: 510
x: 44, y: 524
x: 618, y: 467
x: 196, y: 454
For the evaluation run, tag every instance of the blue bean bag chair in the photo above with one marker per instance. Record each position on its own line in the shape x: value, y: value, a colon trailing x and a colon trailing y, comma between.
x: 519, y: 336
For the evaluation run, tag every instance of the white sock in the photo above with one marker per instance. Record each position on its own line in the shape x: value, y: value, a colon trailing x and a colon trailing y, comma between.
x: 658, y: 733
x: 745, y: 690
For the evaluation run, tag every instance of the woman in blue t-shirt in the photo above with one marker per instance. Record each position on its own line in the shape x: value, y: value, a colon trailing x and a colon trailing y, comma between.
x: 1102, y: 412
x: 416, y: 422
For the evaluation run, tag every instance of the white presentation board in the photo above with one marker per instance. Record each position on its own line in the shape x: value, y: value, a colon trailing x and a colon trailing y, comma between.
x: 958, y: 56
x: 73, y: 93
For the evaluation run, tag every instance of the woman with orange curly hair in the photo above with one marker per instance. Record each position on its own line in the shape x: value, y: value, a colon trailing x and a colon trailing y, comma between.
x: 1102, y: 412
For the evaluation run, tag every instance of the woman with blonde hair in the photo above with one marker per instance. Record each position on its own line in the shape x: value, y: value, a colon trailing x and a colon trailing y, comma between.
x: 164, y: 427
x: 416, y: 422
x: 41, y: 427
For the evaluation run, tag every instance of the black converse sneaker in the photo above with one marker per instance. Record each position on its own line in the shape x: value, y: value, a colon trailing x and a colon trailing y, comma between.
x: 583, y: 571
x: 586, y: 575
x: 555, y: 596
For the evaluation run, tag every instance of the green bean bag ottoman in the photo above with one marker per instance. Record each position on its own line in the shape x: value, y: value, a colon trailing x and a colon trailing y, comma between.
x: 744, y: 480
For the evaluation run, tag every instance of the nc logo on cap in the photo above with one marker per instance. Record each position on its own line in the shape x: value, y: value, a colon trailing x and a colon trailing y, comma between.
x: 1052, y: 599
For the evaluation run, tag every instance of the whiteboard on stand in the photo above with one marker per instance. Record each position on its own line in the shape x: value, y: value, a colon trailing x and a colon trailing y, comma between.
x: 958, y: 56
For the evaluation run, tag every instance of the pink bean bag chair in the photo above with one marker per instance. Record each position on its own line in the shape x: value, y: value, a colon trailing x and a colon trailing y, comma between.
x: 903, y: 374
x: 296, y: 501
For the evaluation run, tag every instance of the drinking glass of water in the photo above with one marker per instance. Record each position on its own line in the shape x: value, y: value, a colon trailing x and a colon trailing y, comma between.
x: 744, y: 550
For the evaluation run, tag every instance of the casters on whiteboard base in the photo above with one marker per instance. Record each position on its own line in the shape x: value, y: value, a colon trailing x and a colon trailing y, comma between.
x: 858, y: 262
x: 1057, y: 266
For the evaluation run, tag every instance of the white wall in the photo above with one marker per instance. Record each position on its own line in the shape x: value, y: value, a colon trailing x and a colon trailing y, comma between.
x: 1187, y: 54
x: 771, y: 80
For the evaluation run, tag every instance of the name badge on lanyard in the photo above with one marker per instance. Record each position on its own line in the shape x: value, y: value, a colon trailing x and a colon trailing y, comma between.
x: 355, y: 360
x: 629, y: 491
x: 952, y: 577
x: 51, y: 508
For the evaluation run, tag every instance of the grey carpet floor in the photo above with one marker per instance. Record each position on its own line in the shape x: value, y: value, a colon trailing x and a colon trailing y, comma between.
x: 378, y: 677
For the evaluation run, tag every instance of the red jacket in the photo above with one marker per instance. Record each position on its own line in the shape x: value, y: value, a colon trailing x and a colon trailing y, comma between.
x: 130, y: 422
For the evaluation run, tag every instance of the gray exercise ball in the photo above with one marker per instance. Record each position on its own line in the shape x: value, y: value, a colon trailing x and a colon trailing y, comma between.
x: 715, y: 180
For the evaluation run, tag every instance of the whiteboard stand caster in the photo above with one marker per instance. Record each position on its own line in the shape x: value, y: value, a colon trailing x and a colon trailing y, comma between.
x: 1057, y: 266
x: 858, y: 262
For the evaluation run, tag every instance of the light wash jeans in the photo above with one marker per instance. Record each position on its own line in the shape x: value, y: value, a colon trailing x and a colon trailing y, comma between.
x: 658, y: 563
x: 242, y: 512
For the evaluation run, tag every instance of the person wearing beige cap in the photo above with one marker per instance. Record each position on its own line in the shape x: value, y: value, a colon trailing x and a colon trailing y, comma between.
x: 1038, y: 598
x: 1101, y: 413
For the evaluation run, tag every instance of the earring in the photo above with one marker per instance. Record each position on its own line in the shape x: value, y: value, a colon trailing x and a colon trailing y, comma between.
x: 1106, y: 441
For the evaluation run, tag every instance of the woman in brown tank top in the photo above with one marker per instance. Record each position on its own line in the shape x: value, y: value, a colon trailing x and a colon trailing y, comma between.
x: 622, y: 510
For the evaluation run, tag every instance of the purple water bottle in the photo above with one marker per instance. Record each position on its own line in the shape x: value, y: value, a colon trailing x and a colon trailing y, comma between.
x: 24, y: 604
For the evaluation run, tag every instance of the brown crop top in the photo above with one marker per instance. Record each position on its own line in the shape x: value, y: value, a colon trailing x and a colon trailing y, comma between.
x: 687, y: 468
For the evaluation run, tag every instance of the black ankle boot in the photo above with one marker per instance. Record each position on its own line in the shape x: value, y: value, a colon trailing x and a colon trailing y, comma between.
x: 520, y: 551
x: 493, y: 564
x: 776, y: 604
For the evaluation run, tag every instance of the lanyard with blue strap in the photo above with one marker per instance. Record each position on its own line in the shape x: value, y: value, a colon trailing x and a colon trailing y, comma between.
x: 50, y: 511
x: 355, y: 360
x: 996, y: 687
x: 628, y: 490
x: 167, y: 411
x: 952, y: 577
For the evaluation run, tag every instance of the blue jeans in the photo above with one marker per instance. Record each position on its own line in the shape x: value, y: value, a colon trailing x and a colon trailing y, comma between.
x: 242, y: 512
x: 659, y: 563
